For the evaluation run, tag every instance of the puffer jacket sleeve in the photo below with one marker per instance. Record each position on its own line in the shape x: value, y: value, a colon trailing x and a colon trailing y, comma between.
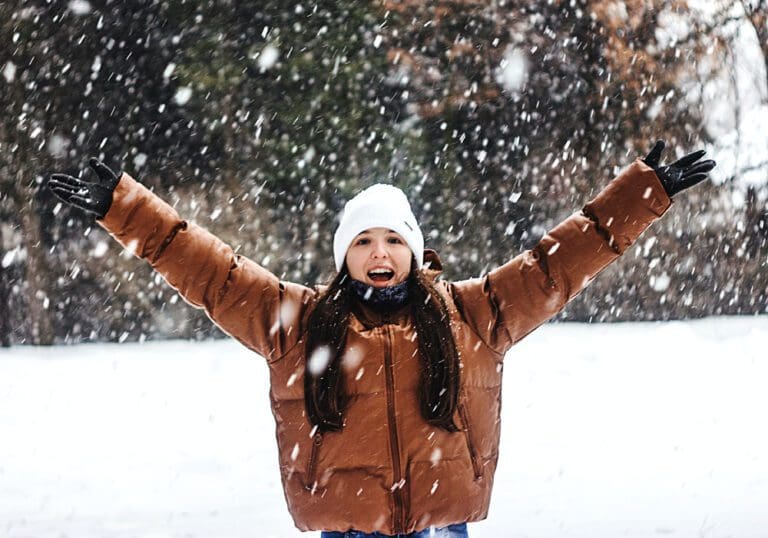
x: 243, y: 298
x: 512, y: 300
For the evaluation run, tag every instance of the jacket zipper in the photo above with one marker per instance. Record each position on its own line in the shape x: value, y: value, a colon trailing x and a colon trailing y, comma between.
x: 470, y: 446
x: 399, y: 515
x: 317, y: 440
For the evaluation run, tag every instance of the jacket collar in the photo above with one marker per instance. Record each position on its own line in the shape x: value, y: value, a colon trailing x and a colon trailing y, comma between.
x: 432, y: 264
x: 370, y: 318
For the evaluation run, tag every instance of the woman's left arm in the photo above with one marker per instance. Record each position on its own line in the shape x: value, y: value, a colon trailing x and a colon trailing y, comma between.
x: 514, y: 299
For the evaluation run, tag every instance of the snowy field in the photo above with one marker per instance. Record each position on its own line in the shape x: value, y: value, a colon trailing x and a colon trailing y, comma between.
x: 638, y: 430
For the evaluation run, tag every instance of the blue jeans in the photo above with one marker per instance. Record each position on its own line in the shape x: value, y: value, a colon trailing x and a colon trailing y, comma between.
x: 458, y: 530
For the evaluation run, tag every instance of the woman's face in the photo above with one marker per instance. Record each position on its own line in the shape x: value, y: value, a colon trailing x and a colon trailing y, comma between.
x: 379, y: 257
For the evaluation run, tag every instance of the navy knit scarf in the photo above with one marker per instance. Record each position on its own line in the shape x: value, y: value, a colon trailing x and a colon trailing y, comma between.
x: 381, y: 299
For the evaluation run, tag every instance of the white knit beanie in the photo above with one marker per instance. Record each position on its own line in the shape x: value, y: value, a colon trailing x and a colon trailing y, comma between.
x: 378, y: 206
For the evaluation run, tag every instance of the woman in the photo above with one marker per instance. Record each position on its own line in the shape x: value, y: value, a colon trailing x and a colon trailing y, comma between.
x: 385, y: 385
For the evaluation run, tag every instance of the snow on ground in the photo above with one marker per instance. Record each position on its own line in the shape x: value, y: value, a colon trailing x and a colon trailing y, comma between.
x: 636, y: 430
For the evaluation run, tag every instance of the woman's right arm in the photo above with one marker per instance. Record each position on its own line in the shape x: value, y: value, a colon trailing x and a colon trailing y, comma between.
x: 243, y: 298
x: 517, y: 297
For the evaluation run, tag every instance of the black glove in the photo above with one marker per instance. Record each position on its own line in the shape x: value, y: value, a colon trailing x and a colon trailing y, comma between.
x: 681, y: 174
x: 92, y: 197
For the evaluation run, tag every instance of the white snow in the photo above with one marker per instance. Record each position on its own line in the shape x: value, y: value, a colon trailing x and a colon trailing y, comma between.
x: 99, y: 250
x: 58, y: 145
x: 319, y: 360
x: 268, y: 57
x: 660, y: 282
x: 131, y: 249
x: 9, y: 71
x: 632, y: 430
x: 169, y: 69
x: 80, y: 7
x: 8, y: 257
x: 513, y: 70
x: 140, y: 160
x: 183, y: 95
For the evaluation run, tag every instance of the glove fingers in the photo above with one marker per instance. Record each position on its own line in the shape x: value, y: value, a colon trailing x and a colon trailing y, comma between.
x: 82, y: 203
x: 69, y: 194
x: 689, y: 159
x: 699, y: 168
x: 62, y: 194
x: 654, y: 156
x: 689, y: 181
x: 65, y: 186
x: 66, y: 180
x: 104, y: 172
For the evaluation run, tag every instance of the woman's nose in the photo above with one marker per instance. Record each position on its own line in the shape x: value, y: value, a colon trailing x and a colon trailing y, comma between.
x: 379, y: 250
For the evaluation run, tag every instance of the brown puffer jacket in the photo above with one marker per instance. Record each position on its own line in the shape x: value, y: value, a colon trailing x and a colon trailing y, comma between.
x: 388, y: 470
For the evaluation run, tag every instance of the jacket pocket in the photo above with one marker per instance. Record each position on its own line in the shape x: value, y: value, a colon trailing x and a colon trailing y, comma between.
x: 470, y: 445
x: 311, y: 475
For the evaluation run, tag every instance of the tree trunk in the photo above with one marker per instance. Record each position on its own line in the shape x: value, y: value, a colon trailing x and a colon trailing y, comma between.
x: 17, y: 154
x: 758, y: 16
x: 37, y: 274
x: 5, y: 295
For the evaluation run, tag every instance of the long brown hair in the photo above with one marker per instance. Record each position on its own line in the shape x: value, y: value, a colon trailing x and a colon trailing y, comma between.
x: 324, y: 391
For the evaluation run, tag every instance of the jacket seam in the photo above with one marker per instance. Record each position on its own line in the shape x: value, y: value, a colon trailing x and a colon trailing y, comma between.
x: 602, y: 231
x: 130, y: 212
x: 182, y: 225
x: 398, y: 502
x: 473, y: 456
x: 463, y: 323
x: 227, y: 281
x: 299, y: 341
x: 378, y: 393
x: 299, y: 337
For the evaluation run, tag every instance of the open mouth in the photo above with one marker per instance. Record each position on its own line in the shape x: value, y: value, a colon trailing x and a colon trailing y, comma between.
x: 381, y: 275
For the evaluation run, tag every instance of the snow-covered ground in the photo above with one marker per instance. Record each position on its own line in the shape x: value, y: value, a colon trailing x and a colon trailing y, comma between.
x: 636, y: 429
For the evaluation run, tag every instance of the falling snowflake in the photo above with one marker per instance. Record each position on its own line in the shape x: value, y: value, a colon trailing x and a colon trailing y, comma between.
x: 319, y: 360
x: 513, y: 70
x: 268, y: 57
x: 660, y: 283
x: 80, y: 7
x: 9, y: 72
x: 436, y: 456
x: 182, y: 96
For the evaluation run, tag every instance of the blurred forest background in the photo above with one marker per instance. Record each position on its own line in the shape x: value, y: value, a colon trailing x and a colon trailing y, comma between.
x: 258, y: 120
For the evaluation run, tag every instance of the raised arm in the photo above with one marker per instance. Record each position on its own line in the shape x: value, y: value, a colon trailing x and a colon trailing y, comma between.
x: 512, y: 300
x: 244, y: 299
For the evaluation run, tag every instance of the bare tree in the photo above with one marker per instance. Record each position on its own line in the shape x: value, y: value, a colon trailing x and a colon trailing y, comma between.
x: 757, y: 13
x: 5, y: 295
x: 18, y: 141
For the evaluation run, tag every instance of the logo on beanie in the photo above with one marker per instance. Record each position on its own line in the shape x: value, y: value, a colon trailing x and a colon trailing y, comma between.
x: 409, y: 226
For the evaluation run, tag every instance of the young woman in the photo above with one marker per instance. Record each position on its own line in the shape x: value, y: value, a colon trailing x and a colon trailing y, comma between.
x: 386, y: 384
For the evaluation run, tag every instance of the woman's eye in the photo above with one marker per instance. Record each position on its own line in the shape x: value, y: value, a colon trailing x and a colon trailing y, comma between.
x: 362, y: 242
x: 394, y: 240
